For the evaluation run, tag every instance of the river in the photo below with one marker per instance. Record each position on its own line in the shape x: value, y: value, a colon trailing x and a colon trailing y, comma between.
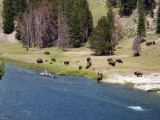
x: 24, y: 95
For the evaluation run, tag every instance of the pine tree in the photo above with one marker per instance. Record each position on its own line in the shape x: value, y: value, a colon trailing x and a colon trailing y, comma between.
x: 8, y: 19
x: 75, y: 29
x: 158, y: 20
x: 127, y: 6
x: 141, y: 21
x: 100, y: 40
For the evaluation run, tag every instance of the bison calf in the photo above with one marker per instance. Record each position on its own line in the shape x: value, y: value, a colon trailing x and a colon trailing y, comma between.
x: 138, y: 74
x: 39, y: 60
x: 66, y: 62
x: 119, y: 61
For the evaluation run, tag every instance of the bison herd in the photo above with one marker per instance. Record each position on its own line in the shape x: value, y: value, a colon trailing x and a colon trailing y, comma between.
x: 89, y: 64
x: 112, y: 62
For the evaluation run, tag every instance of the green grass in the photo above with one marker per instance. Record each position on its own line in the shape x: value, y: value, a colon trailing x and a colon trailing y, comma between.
x: 129, y: 84
x: 154, y: 90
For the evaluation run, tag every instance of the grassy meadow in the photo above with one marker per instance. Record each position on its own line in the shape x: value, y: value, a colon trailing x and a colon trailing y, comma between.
x: 147, y: 62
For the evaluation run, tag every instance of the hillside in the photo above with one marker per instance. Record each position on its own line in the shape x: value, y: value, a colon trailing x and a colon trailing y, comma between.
x: 147, y: 63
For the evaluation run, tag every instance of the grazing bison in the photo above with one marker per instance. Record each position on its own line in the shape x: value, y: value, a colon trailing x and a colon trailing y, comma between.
x: 138, y: 74
x: 89, y: 64
x: 39, y: 60
x: 47, y: 52
x: 119, y: 61
x: 112, y: 63
x: 53, y: 59
x: 80, y: 67
x: 148, y: 43
x: 66, y: 62
x: 88, y: 59
x: 136, y: 54
x: 51, y: 63
x: 109, y: 59
x: 153, y: 42
x: 100, y: 76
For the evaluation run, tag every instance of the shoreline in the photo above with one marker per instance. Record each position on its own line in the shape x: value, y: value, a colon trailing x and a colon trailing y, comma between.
x: 144, y: 83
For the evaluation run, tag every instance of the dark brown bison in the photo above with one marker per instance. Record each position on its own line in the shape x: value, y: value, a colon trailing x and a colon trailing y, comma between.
x: 53, y: 59
x: 47, y: 52
x: 148, y: 43
x: 80, y: 67
x: 153, y: 42
x: 88, y: 64
x: 138, y: 74
x: 119, y: 61
x: 88, y: 59
x: 136, y: 54
x: 66, y: 62
x: 51, y: 63
x: 100, y: 76
x: 112, y: 63
x: 39, y: 60
x: 27, y: 48
x: 109, y: 59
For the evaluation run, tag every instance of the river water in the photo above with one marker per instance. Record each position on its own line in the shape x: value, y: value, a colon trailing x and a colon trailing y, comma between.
x: 24, y: 95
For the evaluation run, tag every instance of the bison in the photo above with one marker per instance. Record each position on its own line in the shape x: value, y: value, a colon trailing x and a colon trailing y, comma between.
x: 136, y: 54
x: 112, y: 63
x: 47, y: 52
x: 153, y: 42
x: 100, y: 76
x: 39, y: 60
x: 138, y: 74
x: 89, y: 64
x: 51, y: 63
x: 148, y: 43
x: 119, y: 61
x: 80, y: 67
x: 53, y: 59
x: 88, y: 59
x: 66, y: 62
x: 46, y: 60
x: 109, y: 59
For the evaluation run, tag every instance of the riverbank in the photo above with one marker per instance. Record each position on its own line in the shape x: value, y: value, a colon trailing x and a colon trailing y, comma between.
x: 148, y: 61
x: 146, y: 82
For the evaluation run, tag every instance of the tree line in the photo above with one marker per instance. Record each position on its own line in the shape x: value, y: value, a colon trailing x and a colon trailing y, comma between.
x: 69, y: 23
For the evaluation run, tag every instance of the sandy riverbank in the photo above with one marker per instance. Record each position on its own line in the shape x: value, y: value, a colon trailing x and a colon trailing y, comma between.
x: 144, y: 83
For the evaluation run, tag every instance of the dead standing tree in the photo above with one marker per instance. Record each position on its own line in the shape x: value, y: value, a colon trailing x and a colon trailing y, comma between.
x: 63, y: 40
x: 137, y: 46
x: 40, y: 30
